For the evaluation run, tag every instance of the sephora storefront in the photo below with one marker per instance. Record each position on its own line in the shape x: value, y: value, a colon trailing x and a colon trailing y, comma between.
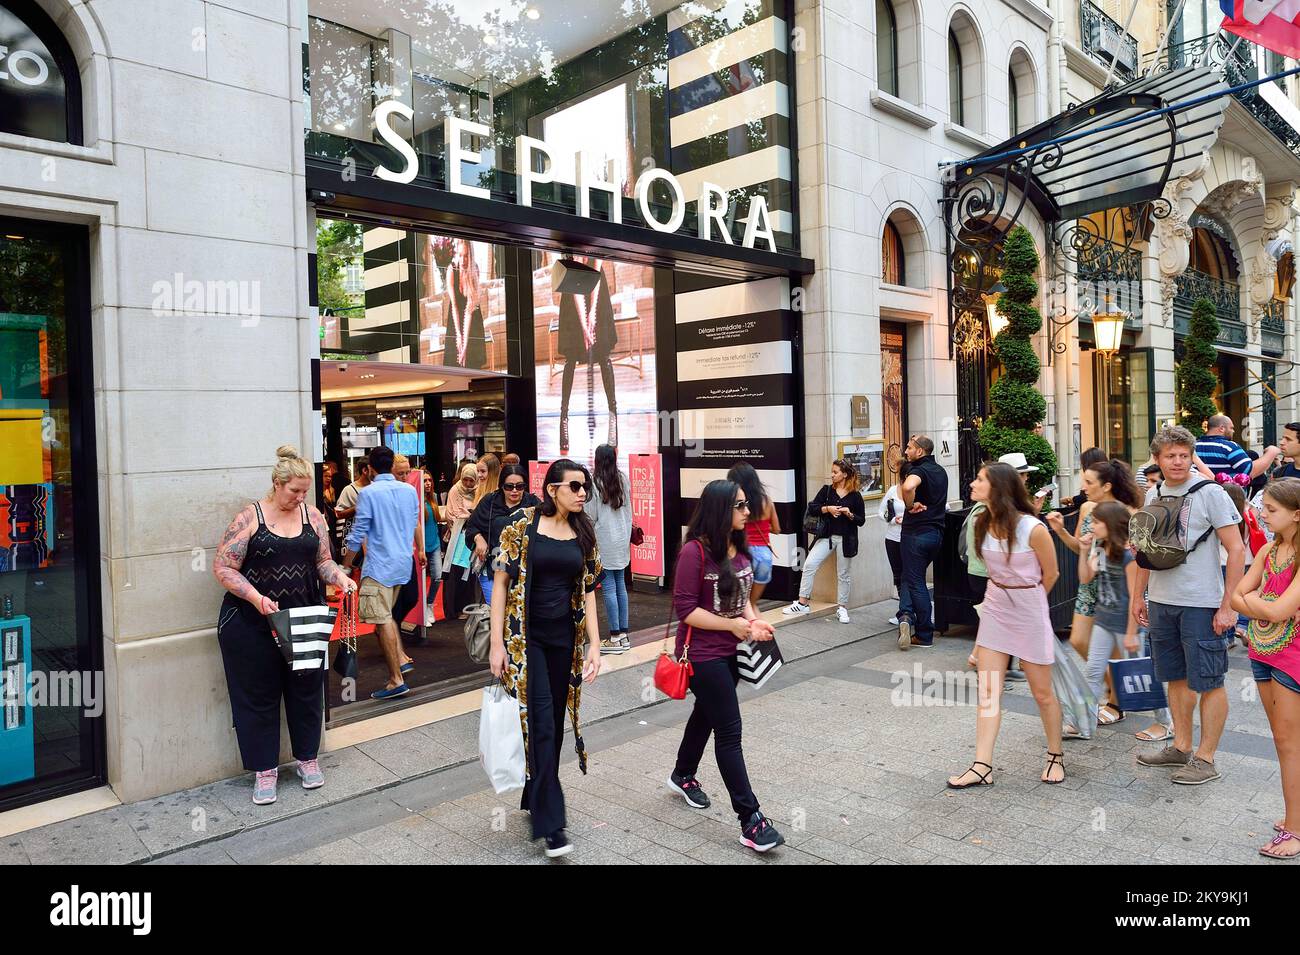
x: 460, y: 160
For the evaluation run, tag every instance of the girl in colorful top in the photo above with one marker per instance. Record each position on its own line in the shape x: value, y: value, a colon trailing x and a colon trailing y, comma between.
x: 759, y: 528
x: 1266, y: 596
x: 711, y: 586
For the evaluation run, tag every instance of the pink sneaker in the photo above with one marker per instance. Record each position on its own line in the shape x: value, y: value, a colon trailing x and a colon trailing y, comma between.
x: 264, y: 787
x: 312, y: 777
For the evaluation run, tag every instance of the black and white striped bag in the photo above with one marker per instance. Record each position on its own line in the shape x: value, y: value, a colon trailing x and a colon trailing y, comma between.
x: 303, y: 635
x: 757, y: 661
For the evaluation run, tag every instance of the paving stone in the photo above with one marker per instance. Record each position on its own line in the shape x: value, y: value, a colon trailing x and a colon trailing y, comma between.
x: 106, y: 837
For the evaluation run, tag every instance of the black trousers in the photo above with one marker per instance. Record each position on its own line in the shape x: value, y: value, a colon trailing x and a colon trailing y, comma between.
x: 258, y: 678
x: 408, y: 596
x: 895, y: 551
x: 550, y: 667
x: 717, y: 711
x: 460, y: 588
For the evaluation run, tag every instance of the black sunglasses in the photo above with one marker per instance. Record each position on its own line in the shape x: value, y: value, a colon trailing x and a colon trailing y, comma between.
x: 741, y: 505
x: 514, y: 486
x: 574, y: 486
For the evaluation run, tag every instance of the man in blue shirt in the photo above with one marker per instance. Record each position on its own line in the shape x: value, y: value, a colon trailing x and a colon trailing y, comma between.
x: 388, y: 521
x: 1218, y: 452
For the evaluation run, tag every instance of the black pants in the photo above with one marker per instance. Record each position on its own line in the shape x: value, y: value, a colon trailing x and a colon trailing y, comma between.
x: 460, y: 588
x: 978, y: 586
x: 550, y: 667
x: 407, y: 597
x: 717, y: 711
x: 895, y: 551
x: 258, y: 677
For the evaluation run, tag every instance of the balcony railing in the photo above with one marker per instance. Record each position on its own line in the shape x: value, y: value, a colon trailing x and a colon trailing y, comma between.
x: 1105, y: 41
x: 1226, y: 296
x: 1273, y: 327
x: 1107, y: 267
x: 1240, y: 60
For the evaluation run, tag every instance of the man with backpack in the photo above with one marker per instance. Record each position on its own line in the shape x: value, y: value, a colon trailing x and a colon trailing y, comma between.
x: 1189, y: 612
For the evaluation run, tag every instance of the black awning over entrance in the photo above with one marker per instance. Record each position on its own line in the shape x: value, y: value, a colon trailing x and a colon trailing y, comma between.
x: 1095, y: 174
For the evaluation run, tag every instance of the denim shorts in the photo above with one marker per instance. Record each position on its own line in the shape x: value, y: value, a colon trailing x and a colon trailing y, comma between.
x: 761, y: 558
x: 1263, y: 672
x: 1185, y: 646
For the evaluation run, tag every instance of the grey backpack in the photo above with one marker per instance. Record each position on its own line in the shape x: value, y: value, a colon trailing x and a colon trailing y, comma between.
x: 1159, y: 531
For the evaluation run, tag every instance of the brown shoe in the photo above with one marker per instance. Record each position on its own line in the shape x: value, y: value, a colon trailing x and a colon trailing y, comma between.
x: 1168, y: 757
x: 1196, y: 771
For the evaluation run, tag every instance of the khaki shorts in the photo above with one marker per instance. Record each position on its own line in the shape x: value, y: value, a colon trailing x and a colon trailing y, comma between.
x: 376, y: 604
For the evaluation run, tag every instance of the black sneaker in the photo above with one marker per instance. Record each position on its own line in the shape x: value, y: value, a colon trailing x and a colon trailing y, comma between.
x: 558, y: 845
x: 689, y: 789
x: 759, y: 834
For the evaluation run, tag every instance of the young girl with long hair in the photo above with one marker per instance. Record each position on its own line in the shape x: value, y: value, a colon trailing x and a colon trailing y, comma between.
x: 1021, y: 563
x: 1267, y: 596
x: 711, y: 601
x: 610, y: 510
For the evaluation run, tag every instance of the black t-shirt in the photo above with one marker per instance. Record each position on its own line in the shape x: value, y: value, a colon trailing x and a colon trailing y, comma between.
x: 1288, y: 470
x: 932, y: 492
x: 554, y: 566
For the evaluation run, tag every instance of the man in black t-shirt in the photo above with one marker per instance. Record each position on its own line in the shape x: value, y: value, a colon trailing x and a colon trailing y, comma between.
x: 924, y: 491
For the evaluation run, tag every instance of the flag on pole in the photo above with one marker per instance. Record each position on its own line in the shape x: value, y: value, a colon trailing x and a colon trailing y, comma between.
x: 1272, y: 24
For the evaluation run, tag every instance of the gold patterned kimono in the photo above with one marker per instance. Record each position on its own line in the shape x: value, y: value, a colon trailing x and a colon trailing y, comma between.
x: 515, y: 539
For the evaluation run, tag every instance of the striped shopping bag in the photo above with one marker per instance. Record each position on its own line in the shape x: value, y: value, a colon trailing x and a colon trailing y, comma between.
x: 757, y: 661
x: 303, y: 634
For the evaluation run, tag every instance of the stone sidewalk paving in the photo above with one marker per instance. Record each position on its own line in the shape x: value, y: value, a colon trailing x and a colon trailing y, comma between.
x: 846, y: 751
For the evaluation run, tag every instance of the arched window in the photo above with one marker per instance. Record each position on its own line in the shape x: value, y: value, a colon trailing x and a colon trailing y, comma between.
x: 40, y: 95
x: 893, y: 262
x: 1212, y: 255
x: 886, y: 48
x: 956, y: 111
x: 1013, y: 101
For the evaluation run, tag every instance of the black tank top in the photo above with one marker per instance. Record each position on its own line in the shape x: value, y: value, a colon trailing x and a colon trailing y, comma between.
x: 283, y: 568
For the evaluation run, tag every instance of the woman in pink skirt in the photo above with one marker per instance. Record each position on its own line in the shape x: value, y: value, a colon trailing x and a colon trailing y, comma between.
x: 1014, y: 622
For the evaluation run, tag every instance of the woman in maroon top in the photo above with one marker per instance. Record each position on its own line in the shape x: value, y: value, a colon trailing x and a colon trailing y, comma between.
x: 711, y: 600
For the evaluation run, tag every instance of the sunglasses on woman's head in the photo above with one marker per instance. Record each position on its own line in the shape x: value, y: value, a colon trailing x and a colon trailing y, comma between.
x: 514, y: 486
x: 574, y: 486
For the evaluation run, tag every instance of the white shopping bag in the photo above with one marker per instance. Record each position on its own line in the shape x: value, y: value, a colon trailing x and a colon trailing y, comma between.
x: 501, y: 740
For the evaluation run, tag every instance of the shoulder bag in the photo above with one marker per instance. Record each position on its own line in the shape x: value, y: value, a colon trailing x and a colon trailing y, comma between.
x: 672, y: 676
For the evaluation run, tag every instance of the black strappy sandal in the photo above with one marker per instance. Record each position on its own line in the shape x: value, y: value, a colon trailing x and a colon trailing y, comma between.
x: 1055, y: 759
x: 983, y: 777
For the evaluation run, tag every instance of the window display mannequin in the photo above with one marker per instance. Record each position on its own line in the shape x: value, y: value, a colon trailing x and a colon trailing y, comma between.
x: 587, y: 334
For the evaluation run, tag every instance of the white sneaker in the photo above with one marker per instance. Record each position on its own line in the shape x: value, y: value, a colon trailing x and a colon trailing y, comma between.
x: 893, y: 621
x: 797, y: 608
x: 843, y: 614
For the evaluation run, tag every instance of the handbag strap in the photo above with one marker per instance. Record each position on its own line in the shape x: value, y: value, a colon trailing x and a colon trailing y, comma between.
x: 686, y: 646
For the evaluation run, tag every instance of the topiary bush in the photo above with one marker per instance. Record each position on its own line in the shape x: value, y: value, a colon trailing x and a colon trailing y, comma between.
x: 1194, y: 382
x: 1017, y: 405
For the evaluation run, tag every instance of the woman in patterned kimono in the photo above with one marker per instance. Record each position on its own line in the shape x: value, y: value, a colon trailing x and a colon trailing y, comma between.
x: 544, y: 626
x: 587, y: 334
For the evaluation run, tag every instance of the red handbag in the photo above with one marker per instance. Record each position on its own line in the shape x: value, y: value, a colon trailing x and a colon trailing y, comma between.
x: 1255, y: 534
x: 672, y: 677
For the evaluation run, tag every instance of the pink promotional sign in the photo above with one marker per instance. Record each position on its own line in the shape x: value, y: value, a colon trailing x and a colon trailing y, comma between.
x: 646, y: 474
x: 537, y: 476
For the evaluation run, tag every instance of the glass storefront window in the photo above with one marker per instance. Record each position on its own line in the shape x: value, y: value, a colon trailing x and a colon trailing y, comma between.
x: 51, y: 691
x: 413, y: 298
x: 702, y: 93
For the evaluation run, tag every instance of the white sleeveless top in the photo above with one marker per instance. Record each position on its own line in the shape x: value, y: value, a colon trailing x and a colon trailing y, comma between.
x: 1024, y: 527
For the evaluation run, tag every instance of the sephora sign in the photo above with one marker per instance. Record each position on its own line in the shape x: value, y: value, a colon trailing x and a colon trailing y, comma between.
x: 712, y: 200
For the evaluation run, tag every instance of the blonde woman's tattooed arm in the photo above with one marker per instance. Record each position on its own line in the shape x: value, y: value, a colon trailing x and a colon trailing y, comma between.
x: 330, y: 572
x: 230, y: 557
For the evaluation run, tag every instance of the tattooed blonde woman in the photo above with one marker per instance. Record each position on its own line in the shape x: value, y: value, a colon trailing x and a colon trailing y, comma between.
x: 274, y: 556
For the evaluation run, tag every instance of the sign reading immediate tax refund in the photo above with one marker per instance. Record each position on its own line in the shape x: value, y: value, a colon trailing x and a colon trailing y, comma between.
x: 646, y: 474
